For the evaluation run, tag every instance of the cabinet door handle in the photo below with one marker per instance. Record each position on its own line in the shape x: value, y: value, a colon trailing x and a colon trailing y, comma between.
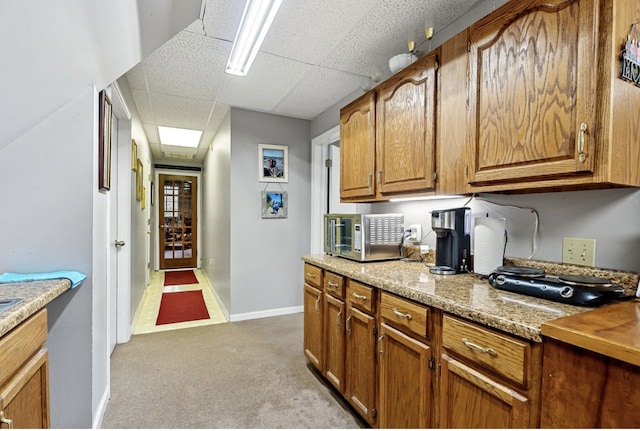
x: 475, y: 346
x: 348, y: 324
x: 339, y: 318
x: 360, y: 297
x: 380, y: 350
x: 318, y: 304
x: 402, y: 315
x: 582, y: 156
x: 4, y: 420
x: 369, y: 180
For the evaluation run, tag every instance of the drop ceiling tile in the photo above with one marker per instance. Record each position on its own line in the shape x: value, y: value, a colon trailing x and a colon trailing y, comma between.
x: 135, y: 78
x: 318, y: 91
x: 267, y: 83
x: 180, y: 111
x: 385, y: 31
x: 151, y: 130
x: 307, y: 30
x: 219, y: 112
x: 188, y: 65
x: 222, y: 18
x: 143, y: 104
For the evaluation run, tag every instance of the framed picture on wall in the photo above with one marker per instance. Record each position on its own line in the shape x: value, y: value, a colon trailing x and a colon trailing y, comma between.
x: 274, y: 204
x: 104, y: 141
x: 273, y: 163
x: 139, y: 178
x: 134, y: 155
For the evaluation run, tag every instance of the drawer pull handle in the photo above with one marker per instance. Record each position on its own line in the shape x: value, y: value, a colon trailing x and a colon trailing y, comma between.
x: 4, y: 420
x: 402, y: 315
x: 360, y: 297
x: 311, y: 275
x: 332, y: 284
x: 318, y: 304
x: 471, y: 345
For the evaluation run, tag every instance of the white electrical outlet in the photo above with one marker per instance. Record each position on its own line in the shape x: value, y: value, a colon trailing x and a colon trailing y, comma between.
x: 579, y: 251
x: 415, y: 233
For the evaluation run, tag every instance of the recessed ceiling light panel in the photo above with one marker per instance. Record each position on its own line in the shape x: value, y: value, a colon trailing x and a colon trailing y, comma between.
x: 179, y: 137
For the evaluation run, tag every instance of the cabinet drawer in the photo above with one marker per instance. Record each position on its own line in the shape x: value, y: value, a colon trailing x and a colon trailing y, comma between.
x: 507, y: 356
x: 407, y: 314
x: 313, y: 275
x: 334, y: 284
x: 21, y: 343
x: 361, y: 296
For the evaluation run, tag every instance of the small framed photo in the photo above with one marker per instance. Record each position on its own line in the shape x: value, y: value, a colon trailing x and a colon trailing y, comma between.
x: 273, y: 163
x: 134, y: 155
x: 104, y: 141
x: 274, y: 204
x: 139, y: 178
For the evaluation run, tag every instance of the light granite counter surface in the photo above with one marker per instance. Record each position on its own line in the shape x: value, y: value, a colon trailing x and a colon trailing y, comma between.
x: 464, y: 295
x: 35, y: 295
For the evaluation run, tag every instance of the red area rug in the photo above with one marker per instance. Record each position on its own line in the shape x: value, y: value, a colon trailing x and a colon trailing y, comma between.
x: 173, y: 278
x: 182, y: 307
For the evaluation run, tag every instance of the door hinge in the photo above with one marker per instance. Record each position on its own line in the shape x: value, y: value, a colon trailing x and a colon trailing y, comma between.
x: 469, y: 46
x: 439, y: 369
x: 375, y: 331
x: 431, y: 363
x: 328, y: 163
x: 374, y: 412
x: 466, y: 171
x: 435, y: 176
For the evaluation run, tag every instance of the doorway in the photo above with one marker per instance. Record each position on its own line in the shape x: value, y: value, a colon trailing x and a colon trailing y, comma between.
x: 178, y: 217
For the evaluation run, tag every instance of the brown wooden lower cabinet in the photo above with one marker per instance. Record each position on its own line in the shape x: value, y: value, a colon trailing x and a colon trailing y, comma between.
x: 313, y: 327
x: 361, y: 363
x: 470, y: 398
x: 334, y: 341
x: 405, y: 380
x: 24, y: 375
x: 584, y: 389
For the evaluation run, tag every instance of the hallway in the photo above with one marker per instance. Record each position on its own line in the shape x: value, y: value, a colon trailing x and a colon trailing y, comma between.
x: 147, y: 313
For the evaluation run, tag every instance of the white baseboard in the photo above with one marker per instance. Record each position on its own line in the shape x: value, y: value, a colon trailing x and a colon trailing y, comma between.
x: 136, y: 316
x: 102, y: 408
x: 266, y: 313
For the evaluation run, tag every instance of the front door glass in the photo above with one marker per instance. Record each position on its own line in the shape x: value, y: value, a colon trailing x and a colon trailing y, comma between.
x: 178, y: 229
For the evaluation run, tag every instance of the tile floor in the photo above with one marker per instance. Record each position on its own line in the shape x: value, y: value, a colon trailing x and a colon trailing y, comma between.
x: 150, y: 304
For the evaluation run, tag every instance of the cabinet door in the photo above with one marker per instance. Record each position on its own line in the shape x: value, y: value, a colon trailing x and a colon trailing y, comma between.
x: 471, y: 399
x: 405, y: 128
x: 532, y: 91
x: 334, y: 341
x: 313, y: 326
x: 361, y: 363
x: 405, y: 381
x: 24, y: 400
x: 357, y: 148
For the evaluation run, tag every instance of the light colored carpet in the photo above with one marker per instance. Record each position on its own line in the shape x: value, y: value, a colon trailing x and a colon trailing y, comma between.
x: 250, y: 374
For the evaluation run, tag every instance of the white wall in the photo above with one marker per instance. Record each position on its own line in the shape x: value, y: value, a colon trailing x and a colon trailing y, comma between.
x: 48, y: 187
x: 216, y: 215
x: 265, y: 253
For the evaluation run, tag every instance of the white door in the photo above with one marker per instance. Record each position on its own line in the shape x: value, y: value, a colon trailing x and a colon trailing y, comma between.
x: 114, y: 241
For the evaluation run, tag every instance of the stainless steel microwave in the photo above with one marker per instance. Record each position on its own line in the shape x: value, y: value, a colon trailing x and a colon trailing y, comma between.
x: 364, y: 237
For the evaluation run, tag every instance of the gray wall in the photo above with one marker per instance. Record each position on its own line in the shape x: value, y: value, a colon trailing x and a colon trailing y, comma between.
x: 216, y: 214
x: 265, y: 253
x: 47, y: 186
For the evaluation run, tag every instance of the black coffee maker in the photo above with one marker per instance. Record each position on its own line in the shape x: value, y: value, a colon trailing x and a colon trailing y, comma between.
x: 453, y: 242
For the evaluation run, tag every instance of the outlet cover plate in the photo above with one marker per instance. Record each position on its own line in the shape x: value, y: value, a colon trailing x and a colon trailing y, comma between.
x: 579, y: 251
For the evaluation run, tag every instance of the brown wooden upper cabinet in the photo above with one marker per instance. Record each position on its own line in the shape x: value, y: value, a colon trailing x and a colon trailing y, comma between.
x: 547, y: 108
x: 388, y: 136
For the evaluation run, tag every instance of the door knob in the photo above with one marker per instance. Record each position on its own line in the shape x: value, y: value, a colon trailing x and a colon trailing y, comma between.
x: 119, y: 243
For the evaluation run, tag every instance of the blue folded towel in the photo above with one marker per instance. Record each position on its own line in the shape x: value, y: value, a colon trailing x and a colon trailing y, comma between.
x: 75, y: 277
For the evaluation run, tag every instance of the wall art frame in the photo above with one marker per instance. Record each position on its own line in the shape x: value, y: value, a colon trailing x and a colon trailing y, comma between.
x: 104, y: 141
x: 134, y: 155
x: 275, y: 204
x: 273, y: 163
x: 139, y: 180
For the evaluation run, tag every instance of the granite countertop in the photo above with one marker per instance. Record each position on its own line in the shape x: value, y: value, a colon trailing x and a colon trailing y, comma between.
x: 35, y: 294
x: 465, y: 295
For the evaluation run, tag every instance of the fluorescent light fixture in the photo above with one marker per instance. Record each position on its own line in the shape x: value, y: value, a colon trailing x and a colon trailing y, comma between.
x: 179, y: 137
x: 426, y: 198
x: 254, y: 25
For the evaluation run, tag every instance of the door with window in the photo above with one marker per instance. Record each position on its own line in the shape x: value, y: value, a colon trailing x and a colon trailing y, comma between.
x: 178, y: 236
